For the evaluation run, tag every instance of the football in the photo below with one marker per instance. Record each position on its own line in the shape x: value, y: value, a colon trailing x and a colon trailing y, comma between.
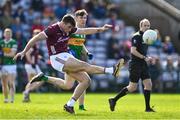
x: 149, y: 36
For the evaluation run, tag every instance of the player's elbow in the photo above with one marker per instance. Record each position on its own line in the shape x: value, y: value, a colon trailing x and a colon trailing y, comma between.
x: 133, y: 50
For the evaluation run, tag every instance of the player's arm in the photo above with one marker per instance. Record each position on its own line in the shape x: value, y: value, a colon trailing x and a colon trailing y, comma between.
x: 28, y: 56
x: 93, y: 30
x: 85, y: 49
x: 31, y: 43
x: 87, y: 53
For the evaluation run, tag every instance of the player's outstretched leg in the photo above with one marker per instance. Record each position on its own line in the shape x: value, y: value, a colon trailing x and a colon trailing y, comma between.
x: 39, y: 77
x: 74, y: 65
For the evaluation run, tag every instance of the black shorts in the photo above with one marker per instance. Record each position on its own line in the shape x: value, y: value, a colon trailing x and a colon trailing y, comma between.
x: 138, y: 70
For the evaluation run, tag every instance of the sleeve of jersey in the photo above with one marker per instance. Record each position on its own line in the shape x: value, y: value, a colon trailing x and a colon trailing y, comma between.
x: 134, y: 41
x: 48, y: 31
x: 14, y: 47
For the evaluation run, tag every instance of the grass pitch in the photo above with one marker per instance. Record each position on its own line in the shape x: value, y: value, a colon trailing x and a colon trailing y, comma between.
x: 50, y: 106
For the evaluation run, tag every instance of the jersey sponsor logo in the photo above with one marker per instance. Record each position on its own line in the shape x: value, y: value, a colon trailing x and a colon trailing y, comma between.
x: 61, y: 39
x: 6, y: 50
x: 53, y: 49
x: 134, y: 41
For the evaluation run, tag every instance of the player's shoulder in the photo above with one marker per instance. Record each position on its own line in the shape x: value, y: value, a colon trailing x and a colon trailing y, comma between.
x: 53, y: 26
x: 13, y: 41
x: 51, y: 29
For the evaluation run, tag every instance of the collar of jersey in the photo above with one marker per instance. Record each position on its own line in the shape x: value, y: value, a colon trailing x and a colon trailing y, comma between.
x: 8, y: 41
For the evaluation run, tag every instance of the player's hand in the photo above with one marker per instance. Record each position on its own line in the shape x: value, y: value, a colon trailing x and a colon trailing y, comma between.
x: 20, y: 54
x: 106, y: 27
x: 90, y: 56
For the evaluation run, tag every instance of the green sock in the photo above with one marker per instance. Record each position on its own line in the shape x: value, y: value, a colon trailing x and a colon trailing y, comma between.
x: 81, y: 107
x: 45, y: 78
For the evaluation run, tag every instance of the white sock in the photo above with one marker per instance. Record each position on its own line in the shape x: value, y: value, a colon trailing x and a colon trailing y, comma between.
x: 6, y: 100
x: 26, y: 92
x: 12, y: 98
x: 71, y: 102
x: 109, y: 70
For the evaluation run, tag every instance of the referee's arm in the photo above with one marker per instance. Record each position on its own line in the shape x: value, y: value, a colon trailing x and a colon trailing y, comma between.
x: 136, y: 53
x: 135, y: 43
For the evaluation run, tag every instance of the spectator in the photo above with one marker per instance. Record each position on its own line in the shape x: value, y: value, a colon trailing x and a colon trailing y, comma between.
x: 168, y: 46
x: 155, y: 70
x: 37, y: 24
x: 61, y: 10
x: 124, y: 51
x: 16, y: 26
x: 100, y: 9
x: 158, y: 42
x: 113, y: 22
x: 37, y: 5
x: 19, y: 13
x: 113, y: 47
x: 30, y: 16
x: 169, y: 75
x: 6, y: 20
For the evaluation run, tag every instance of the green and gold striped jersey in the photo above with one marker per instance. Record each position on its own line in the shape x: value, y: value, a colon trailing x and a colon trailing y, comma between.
x: 76, y: 42
x: 7, y: 47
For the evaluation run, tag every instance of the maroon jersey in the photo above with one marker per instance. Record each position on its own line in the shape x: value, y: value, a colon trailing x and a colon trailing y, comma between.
x: 34, y: 53
x: 57, y: 39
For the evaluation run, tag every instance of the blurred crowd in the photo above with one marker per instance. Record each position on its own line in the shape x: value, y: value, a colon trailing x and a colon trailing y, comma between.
x: 24, y: 16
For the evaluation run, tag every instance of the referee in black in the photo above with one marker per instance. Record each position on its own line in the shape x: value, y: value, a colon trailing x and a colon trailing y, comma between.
x: 138, y: 68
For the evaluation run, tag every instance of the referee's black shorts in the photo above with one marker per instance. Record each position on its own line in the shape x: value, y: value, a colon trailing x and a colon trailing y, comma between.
x: 138, y: 70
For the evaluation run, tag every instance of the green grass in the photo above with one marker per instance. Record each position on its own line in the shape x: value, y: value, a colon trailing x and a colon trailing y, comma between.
x: 50, y: 106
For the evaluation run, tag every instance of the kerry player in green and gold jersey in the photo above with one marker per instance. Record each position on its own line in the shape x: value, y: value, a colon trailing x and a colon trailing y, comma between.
x: 77, y: 47
x: 9, y: 48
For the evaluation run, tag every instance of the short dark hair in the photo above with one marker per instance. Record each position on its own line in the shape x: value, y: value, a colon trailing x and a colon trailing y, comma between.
x: 68, y: 18
x: 81, y: 12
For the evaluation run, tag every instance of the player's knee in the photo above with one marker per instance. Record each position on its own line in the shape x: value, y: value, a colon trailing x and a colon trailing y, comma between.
x: 11, y: 85
x: 68, y: 87
x: 148, y: 86
x: 87, y: 82
x: 132, y: 88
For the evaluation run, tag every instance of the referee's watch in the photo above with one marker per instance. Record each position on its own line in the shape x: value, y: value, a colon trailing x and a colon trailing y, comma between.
x: 144, y: 57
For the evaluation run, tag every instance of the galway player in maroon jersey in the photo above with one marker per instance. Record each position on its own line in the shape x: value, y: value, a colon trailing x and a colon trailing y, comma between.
x: 57, y: 36
x: 32, y: 68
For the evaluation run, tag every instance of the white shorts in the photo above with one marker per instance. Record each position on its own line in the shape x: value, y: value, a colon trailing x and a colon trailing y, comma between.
x: 31, y: 70
x: 9, y: 69
x: 57, y: 65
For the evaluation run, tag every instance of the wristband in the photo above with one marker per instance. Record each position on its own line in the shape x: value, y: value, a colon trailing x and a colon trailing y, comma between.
x: 144, y: 57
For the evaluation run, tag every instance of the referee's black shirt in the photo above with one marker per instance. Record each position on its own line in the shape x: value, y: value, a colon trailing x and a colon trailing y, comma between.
x: 141, y: 47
